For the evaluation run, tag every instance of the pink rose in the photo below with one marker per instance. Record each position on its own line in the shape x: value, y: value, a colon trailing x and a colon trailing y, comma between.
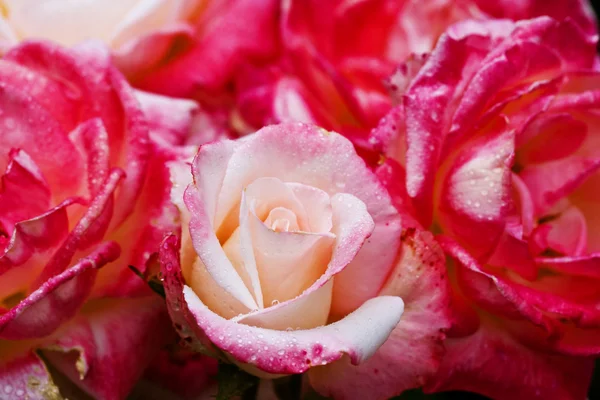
x: 338, y: 56
x: 290, y: 257
x: 84, y: 194
x: 495, y: 147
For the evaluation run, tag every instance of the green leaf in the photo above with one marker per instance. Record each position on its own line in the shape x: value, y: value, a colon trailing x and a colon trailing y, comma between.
x: 232, y: 381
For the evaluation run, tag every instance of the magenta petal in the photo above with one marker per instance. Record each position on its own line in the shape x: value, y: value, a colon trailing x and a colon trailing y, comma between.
x: 476, y: 192
x: 36, y: 235
x: 24, y: 193
x: 169, y: 119
x: 24, y: 376
x: 176, y: 305
x: 472, y: 364
x: 116, y: 340
x: 89, y: 230
x: 56, y: 300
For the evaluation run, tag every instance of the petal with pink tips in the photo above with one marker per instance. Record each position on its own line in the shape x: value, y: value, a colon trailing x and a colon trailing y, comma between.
x: 210, y: 252
x: 283, y: 352
x: 56, y: 300
x: 476, y: 192
x: 413, y: 352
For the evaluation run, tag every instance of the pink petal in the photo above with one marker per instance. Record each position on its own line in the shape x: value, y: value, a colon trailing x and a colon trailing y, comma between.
x: 57, y: 300
x: 89, y: 230
x: 144, y: 229
x: 476, y: 192
x: 414, y: 350
x: 178, y: 310
x: 472, y: 364
x: 567, y: 234
x: 30, y: 246
x: 139, y: 55
x: 551, y: 137
x: 213, y: 57
x: 514, y: 253
x: 551, y: 181
x: 24, y: 193
x: 281, y: 352
x: 548, y: 313
x: 169, y: 119
x: 578, y: 10
x: 18, y: 371
x: 23, y: 117
x: 115, y: 341
x: 93, y: 140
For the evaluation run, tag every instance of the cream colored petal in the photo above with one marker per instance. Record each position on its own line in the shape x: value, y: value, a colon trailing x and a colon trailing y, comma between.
x: 304, y: 312
x: 67, y: 22
x: 211, y: 293
x: 288, y: 262
x: 317, y: 205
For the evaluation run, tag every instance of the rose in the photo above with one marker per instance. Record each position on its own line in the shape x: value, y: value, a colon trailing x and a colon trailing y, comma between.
x: 171, y: 47
x: 84, y: 194
x: 495, y: 148
x: 338, y: 56
x: 290, y: 258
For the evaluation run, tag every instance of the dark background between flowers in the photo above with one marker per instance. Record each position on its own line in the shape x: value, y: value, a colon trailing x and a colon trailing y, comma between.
x: 594, y: 393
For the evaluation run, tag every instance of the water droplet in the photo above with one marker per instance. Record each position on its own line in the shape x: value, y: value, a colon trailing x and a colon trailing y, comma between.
x: 9, y: 123
x: 275, y: 302
x: 8, y: 389
x: 281, y: 352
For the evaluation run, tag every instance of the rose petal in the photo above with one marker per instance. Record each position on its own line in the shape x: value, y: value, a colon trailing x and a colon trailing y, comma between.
x: 22, y: 177
x: 566, y: 234
x: 413, y: 351
x: 211, y: 253
x: 214, y: 55
x: 169, y: 119
x: 476, y: 192
x: 115, y: 341
x: 282, y: 352
x: 23, y: 375
x: 57, y: 300
x: 472, y: 364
